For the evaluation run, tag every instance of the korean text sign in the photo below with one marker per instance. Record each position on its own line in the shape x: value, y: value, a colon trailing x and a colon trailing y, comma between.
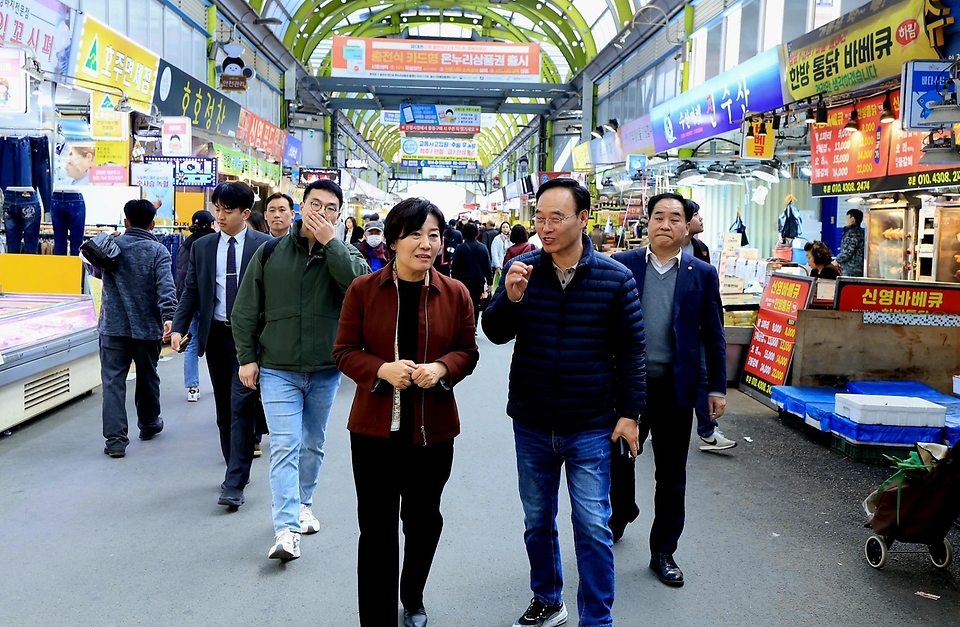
x: 866, y: 46
x: 105, y: 57
x: 897, y: 297
x: 257, y: 132
x: 42, y: 26
x: 356, y: 57
x: 720, y: 104
x: 416, y: 118
x: 441, y: 149
x: 775, y: 333
x: 179, y: 94
x: 844, y: 161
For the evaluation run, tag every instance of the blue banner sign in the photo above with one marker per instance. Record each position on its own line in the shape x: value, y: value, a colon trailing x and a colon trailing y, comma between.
x: 720, y: 104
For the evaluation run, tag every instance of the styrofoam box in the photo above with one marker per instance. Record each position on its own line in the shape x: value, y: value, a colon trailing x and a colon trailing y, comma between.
x: 901, y: 411
x: 956, y: 385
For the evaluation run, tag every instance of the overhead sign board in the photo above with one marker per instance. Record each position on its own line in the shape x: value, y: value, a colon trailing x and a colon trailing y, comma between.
x: 43, y: 27
x: 105, y: 58
x: 176, y: 137
x: 418, y: 59
x: 636, y: 137
x: 868, y: 45
x: 179, y: 94
x: 309, y: 175
x: 720, y: 104
x: 439, y: 149
x: 416, y: 118
x: 922, y: 83
x: 439, y: 163
x: 107, y: 124
x: 758, y: 145
x: 292, y: 150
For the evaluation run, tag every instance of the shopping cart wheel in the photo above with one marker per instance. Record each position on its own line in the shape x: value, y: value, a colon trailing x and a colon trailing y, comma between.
x: 875, y: 550
x: 941, y: 554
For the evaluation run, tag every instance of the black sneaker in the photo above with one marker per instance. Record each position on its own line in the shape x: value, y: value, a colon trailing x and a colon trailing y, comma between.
x: 541, y: 615
x: 115, y: 453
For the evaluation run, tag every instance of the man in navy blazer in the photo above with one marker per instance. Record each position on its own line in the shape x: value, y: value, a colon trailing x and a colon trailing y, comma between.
x: 680, y: 298
x: 217, y: 265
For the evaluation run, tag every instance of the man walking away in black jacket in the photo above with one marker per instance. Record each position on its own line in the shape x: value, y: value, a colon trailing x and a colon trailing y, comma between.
x: 471, y: 266
x: 136, y: 313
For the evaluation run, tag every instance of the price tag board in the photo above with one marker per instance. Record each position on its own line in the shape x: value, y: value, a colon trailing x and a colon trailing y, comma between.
x: 774, y: 334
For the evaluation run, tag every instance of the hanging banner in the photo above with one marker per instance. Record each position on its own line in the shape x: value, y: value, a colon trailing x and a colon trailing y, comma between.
x: 606, y: 150
x: 439, y: 119
x: 848, y: 162
x: 108, y: 124
x: 868, y: 45
x: 104, y: 57
x: 439, y: 163
x: 408, y: 59
x: 257, y: 132
x: 112, y: 159
x: 176, y: 137
x: 44, y: 27
x: 190, y: 171
x: 292, y: 150
x: 775, y: 333
x: 309, y: 175
x: 636, y: 137
x: 156, y: 185
x: 179, y: 94
x: 439, y: 149
x: 720, y: 104
x: 13, y: 81
x: 232, y: 162
x: 758, y: 145
x: 582, y: 157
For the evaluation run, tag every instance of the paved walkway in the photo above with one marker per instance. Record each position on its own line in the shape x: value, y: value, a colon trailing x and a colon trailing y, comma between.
x: 774, y: 530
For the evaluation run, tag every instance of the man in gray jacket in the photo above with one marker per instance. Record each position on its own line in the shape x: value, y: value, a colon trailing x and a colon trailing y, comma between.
x: 139, y: 300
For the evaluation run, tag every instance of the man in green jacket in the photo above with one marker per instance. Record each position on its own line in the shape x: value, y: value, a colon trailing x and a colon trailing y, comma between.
x: 284, y: 324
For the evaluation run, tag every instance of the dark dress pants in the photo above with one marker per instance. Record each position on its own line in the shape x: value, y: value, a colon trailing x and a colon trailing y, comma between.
x: 237, y: 405
x: 475, y: 287
x: 396, y: 479
x: 670, y: 423
x: 116, y: 354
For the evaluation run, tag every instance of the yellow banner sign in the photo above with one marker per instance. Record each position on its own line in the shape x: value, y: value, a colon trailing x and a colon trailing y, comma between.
x: 759, y: 144
x: 868, y: 45
x: 107, y: 124
x: 113, y: 153
x: 105, y: 57
x: 582, y: 157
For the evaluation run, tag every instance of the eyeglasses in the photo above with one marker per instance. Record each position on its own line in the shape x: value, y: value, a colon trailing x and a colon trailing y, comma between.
x: 316, y: 205
x: 553, y: 220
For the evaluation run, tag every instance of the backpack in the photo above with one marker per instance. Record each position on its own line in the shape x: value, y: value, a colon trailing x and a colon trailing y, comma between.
x: 101, y: 251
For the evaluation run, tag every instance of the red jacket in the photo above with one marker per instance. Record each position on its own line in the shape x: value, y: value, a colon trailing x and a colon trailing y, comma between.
x: 365, y: 341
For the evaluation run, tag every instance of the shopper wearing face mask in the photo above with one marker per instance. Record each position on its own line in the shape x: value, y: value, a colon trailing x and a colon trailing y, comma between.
x: 372, y: 247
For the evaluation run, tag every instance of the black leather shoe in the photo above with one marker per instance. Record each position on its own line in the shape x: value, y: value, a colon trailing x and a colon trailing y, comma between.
x: 152, y: 432
x: 231, y: 497
x: 618, y: 526
x: 415, y: 619
x: 667, y: 570
x: 115, y: 453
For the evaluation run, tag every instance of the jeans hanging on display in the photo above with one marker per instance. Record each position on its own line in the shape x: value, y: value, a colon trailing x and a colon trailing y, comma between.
x: 40, y: 169
x: 68, y: 213
x: 21, y: 219
x: 16, y: 163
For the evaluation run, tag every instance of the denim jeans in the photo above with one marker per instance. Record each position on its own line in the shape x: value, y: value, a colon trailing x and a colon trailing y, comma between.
x: 21, y: 219
x: 68, y: 212
x: 297, y: 406
x: 705, y: 424
x: 41, y: 174
x: 16, y: 164
x: 540, y: 456
x: 191, y: 362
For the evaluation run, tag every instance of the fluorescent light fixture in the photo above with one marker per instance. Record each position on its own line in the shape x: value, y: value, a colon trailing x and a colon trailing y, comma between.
x: 855, y: 199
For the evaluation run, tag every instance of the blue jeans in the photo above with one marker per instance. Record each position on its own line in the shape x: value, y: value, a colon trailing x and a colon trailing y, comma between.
x: 191, y: 362
x: 297, y: 406
x: 16, y: 163
x: 21, y: 219
x: 705, y: 424
x: 540, y: 456
x: 68, y: 212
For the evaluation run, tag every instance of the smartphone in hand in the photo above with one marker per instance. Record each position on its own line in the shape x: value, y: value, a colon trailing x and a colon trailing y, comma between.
x: 185, y: 341
x: 624, y: 449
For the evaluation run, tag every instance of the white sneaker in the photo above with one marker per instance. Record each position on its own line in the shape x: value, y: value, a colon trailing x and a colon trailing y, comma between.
x: 308, y: 522
x: 287, y: 546
x: 193, y: 395
x: 716, y: 442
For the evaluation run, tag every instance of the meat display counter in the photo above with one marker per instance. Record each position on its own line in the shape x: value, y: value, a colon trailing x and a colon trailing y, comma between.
x: 49, y: 353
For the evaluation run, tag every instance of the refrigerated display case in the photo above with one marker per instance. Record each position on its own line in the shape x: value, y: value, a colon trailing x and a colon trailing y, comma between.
x: 891, y: 237
x: 946, y: 257
x: 49, y: 353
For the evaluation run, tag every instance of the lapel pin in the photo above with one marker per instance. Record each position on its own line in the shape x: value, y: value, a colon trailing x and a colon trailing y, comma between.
x: 689, y: 267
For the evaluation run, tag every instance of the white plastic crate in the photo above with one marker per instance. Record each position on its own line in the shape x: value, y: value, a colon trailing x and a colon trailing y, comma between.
x: 901, y: 411
x: 956, y: 385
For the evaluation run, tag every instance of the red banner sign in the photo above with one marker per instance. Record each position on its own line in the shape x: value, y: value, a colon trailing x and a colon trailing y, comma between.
x: 846, y: 161
x: 257, y: 132
x: 774, y: 335
x: 897, y: 297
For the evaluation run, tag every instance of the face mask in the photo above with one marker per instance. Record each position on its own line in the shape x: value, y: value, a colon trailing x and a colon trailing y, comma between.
x: 374, y: 240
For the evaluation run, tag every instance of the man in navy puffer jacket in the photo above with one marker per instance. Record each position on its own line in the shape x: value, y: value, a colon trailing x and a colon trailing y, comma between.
x: 577, y: 384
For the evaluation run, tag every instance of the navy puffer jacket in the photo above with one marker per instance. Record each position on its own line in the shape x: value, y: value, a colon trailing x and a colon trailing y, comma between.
x: 578, y: 362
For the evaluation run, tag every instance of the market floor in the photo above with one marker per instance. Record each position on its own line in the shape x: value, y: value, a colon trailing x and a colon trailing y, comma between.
x: 774, y: 530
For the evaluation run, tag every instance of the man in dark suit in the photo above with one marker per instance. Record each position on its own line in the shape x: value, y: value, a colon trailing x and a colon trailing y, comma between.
x: 217, y: 265
x: 680, y: 297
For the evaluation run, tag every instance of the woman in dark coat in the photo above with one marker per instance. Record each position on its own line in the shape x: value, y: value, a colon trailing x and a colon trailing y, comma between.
x: 407, y: 337
x: 201, y: 225
x: 518, y: 235
x: 352, y: 233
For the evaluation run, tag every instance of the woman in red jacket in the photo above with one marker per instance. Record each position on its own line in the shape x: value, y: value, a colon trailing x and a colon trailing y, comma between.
x: 406, y: 337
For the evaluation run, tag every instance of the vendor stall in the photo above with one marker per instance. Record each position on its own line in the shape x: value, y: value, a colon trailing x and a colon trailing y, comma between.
x: 48, y: 353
